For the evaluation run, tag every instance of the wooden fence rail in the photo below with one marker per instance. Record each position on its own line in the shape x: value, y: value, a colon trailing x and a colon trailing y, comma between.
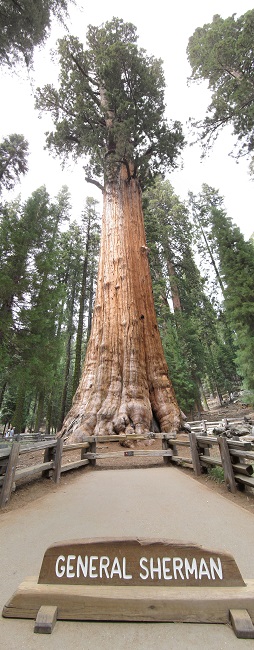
x: 235, y: 457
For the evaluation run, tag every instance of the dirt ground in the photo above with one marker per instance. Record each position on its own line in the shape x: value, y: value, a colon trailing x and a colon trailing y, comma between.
x: 28, y: 492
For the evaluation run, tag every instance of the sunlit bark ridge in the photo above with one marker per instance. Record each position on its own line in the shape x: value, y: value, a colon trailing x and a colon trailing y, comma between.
x: 125, y: 379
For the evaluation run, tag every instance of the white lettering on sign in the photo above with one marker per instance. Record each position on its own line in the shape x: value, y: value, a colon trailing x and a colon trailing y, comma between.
x: 191, y: 569
x: 60, y: 569
x: 157, y: 569
x: 216, y: 568
x: 91, y: 566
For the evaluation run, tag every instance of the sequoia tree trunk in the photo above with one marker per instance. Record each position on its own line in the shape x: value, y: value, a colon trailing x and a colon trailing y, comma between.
x: 125, y: 381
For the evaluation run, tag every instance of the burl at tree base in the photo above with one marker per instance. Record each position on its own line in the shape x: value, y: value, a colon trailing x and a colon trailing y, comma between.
x: 125, y: 382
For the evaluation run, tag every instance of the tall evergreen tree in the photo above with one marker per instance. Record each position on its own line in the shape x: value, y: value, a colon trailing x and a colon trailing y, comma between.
x: 110, y: 107
x: 13, y: 160
x: 189, y: 329
x: 222, y: 53
x: 90, y: 227
x: 236, y: 264
x: 31, y: 297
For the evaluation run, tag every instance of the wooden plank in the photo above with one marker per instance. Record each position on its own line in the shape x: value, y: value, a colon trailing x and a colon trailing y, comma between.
x: 245, y: 480
x: 58, y: 460
x: 78, y: 445
x: 154, y: 604
x: 209, y: 460
x: 180, y: 443
x: 233, y: 444
x: 74, y: 465
x: 9, y: 475
x: 208, y: 440
x: 227, y: 464
x: 194, y: 453
x: 241, y: 623
x: 26, y: 472
x: 129, y: 452
x: 241, y: 468
x: 131, y: 436
x: 242, y: 454
x: 138, y: 562
x: 37, y: 447
x: 45, y: 620
x: 239, y: 444
x: 5, y: 452
x: 179, y: 460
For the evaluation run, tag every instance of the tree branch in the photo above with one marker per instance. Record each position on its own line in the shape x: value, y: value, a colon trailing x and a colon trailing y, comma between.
x: 88, y: 179
x: 90, y: 92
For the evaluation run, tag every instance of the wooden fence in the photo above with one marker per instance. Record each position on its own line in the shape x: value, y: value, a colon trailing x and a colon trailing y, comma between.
x: 203, y: 451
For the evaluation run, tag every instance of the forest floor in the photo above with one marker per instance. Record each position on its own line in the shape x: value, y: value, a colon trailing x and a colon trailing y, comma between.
x: 36, y: 488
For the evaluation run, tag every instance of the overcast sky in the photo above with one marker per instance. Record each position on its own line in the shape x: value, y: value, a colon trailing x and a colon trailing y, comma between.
x: 164, y: 30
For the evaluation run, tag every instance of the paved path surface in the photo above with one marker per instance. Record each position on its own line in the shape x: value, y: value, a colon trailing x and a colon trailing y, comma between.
x: 157, y: 502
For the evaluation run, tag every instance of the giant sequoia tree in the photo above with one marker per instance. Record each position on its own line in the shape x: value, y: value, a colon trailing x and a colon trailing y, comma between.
x: 109, y: 107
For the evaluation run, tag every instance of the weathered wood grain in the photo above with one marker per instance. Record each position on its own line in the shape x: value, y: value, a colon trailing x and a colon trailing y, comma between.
x: 242, y: 623
x: 227, y: 465
x: 81, y: 602
x: 137, y: 562
x: 9, y: 475
x: 194, y: 454
x: 46, y: 619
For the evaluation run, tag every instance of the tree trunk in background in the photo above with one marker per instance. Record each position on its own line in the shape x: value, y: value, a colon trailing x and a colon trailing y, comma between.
x: 68, y: 354
x: 90, y: 305
x: 79, y: 338
x: 18, y: 416
x: 125, y: 377
x: 174, y: 286
x: 39, y: 412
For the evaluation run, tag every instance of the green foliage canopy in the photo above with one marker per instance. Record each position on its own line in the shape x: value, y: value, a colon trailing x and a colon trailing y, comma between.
x: 109, y: 105
x: 222, y: 53
x: 25, y: 24
x: 13, y: 160
x: 235, y: 259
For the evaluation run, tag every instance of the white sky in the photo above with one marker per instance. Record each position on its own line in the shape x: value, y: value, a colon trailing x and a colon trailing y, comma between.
x: 164, y: 30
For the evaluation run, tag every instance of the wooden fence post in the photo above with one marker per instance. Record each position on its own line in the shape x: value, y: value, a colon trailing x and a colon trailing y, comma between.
x: 227, y: 464
x: 49, y: 455
x: 194, y: 453
x: 166, y: 444
x: 58, y: 460
x: 92, y: 450
x: 9, y: 474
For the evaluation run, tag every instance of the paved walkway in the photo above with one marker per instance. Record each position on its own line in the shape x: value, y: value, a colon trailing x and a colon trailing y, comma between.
x: 157, y: 502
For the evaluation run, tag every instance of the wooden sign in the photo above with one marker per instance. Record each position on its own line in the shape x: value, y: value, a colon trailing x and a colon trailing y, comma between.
x: 135, y: 580
x: 137, y: 562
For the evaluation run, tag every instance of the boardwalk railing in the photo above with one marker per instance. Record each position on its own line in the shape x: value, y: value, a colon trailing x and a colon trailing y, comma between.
x: 197, y: 449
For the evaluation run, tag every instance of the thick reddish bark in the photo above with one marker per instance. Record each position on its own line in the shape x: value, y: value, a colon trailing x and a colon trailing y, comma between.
x: 125, y: 378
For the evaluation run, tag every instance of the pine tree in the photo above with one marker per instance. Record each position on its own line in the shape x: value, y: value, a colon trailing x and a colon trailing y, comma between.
x: 236, y: 266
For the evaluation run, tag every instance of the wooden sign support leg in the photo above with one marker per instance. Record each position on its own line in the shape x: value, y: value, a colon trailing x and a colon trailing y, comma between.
x: 45, y: 620
x: 241, y: 623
